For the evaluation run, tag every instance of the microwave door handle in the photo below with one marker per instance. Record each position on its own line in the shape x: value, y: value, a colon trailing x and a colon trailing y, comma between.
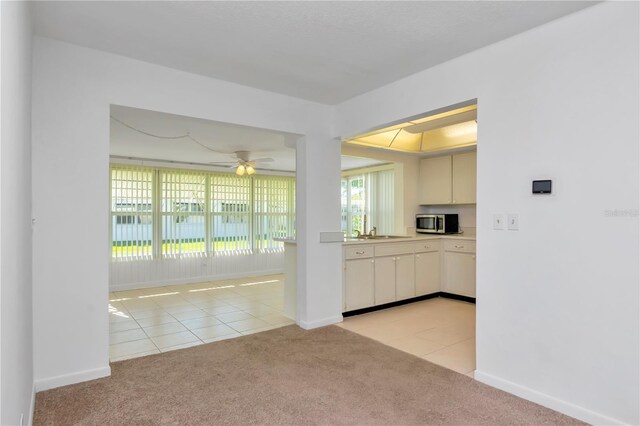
x: 438, y: 223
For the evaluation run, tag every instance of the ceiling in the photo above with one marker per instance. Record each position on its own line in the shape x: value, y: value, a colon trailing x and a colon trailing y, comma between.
x: 220, y: 139
x: 323, y: 51
x: 446, y: 130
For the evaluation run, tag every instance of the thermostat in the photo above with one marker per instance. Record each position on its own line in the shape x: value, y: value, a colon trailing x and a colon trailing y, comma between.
x: 541, y: 187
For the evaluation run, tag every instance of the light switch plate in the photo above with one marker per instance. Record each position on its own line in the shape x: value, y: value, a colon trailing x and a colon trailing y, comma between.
x: 498, y: 222
x: 513, y: 222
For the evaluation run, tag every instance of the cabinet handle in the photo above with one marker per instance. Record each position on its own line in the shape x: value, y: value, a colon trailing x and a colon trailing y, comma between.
x: 417, y: 256
x: 360, y: 252
x: 373, y: 261
x: 459, y: 246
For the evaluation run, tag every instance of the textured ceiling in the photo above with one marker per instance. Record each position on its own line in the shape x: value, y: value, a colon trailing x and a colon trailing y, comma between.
x: 322, y: 51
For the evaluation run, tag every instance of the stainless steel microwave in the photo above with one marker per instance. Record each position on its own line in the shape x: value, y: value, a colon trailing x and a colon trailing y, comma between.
x: 437, y: 223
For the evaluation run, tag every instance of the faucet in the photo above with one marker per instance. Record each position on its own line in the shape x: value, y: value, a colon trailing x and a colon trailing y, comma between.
x: 364, y: 225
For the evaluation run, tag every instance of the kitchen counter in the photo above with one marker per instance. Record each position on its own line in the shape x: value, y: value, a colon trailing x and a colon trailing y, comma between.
x: 418, y: 237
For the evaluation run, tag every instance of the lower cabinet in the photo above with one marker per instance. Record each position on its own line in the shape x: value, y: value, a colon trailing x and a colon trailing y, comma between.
x: 405, y: 277
x: 427, y: 273
x: 385, y: 280
x: 358, y: 284
x: 385, y: 273
x: 460, y: 268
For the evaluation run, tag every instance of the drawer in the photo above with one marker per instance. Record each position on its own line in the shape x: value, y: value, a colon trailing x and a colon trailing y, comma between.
x: 426, y: 246
x: 393, y: 249
x: 465, y: 246
x: 358, y: 252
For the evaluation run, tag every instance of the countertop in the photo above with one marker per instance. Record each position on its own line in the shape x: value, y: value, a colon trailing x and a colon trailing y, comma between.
x: 418, y: 237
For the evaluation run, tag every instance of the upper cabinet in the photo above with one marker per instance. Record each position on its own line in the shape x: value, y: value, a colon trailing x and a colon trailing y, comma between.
x: 449, y: 179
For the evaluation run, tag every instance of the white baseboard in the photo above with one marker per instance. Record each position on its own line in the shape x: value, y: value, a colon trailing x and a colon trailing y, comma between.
x: 32, y: 407
x: 174, y: 281
x: 69, y: 379
x: 545, y: 400
x: 308, y: 325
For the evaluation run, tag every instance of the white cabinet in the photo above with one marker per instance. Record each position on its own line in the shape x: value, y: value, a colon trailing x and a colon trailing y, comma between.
x: 449, y: 179
x: 385, y: 280
x: 435, y: 180
x: 358, y: 277
x: 405, y: 277
x: 460, y: 268
x: 381, y: 273
x: 427, y: 267
x: 358, y: 284
x: 463, y: 180
x: 394, y: 272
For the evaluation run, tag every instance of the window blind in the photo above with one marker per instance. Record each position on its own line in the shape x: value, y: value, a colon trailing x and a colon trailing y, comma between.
x: 231, y: 213
x: 131, y: 213
x: 183, y: 209
x: 173, y: 213
x: 274, y: 207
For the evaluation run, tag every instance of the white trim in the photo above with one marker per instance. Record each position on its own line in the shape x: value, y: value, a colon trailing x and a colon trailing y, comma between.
x: 174, y: 281
x: 32, y: 406
x: 545, y: 400
x: 69, y: 379
x: 308, y: 325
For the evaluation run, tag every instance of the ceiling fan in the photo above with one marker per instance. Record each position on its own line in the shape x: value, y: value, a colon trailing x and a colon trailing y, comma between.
x: 242, y: 163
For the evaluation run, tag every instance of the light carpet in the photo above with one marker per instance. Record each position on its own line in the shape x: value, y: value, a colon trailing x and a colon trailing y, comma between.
x: 327, y: 376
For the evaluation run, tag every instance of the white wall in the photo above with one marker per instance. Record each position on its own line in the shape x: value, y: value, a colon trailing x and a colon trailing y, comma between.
x: 73, y: 88
x: 557, y: 301
x: 160, y: 272
x: 16, y: 355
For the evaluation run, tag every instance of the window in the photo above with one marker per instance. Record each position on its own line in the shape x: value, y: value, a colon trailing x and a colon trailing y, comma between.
x: 274, y: 207
x: 230, y: 219
x: 131, y: 213
x: 370, y: 194
x: 196, y: 213
x: 183, y: 212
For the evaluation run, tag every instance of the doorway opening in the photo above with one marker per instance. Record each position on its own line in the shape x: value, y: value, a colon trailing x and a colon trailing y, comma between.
x: 416, y: 290
x: 198, y: 210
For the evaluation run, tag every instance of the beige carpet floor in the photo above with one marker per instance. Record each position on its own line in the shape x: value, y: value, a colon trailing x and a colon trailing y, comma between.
x: 289, y: 376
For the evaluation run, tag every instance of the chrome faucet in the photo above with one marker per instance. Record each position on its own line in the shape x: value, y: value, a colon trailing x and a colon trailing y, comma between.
x: 364, y: 224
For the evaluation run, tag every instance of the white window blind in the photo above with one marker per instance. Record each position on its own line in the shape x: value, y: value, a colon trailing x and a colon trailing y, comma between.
x: 231, y: 213
x: 131, y: 213
x: 371, y: 194
x: 159, y: 212
x: 274, y: 207
x: 183, y: 213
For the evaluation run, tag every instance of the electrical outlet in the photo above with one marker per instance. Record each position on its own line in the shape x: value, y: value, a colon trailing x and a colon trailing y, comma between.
x: 498, y: 221
x: 513, y: 222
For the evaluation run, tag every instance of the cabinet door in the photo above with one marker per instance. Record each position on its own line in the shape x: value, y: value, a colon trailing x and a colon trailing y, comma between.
x: 427, y: 273
x: 358, y: 284
x: 405, y: 277
x: 460, y: 273
x: 385, y: 280
x: 435, y: 180
x: 464, y: 178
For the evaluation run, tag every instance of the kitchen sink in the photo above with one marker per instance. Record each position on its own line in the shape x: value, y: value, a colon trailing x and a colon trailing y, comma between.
x: 380, y: 237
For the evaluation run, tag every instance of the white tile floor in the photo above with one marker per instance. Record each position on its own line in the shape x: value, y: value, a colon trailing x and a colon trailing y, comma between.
x: 160, y: 319
x: 439, y: 330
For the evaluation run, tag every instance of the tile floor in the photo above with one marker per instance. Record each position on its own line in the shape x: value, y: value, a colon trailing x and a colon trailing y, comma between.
x: 439, y: 330
x: 160, y: 319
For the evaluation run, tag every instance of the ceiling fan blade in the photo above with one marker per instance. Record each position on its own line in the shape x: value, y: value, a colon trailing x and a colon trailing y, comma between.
x: 262, y: 160
x: 223, y: 163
